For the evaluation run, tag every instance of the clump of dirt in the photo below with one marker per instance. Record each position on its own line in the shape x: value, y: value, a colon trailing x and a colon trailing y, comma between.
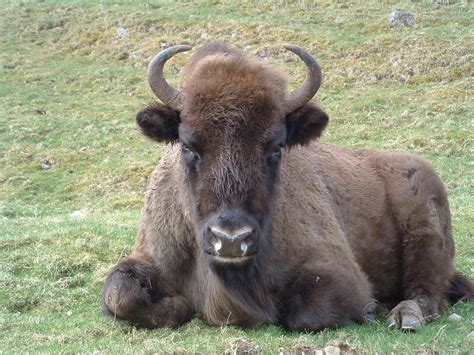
x: 302, y: 349
x: 240, y: 346
x: 344, y: 348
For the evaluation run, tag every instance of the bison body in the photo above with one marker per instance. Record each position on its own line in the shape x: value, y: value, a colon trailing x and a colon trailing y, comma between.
x: 250, y: 219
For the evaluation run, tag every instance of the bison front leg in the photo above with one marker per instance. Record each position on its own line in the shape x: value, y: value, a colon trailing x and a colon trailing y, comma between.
x: 133, y: 292
x: 329, y: 298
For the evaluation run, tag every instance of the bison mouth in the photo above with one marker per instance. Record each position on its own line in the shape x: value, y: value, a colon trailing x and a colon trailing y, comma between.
x: 217, y: 255
x: 231, y: 260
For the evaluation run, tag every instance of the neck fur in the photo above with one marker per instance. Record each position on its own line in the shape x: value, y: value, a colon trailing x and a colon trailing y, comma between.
x: 238, y: 294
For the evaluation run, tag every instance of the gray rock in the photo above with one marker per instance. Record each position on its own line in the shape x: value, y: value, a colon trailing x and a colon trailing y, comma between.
x: 398, y: 17
x: 122, y: 31
x: 455, y: 317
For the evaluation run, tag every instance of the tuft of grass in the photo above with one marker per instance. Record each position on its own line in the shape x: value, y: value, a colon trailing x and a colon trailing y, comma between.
x: 70, y: 86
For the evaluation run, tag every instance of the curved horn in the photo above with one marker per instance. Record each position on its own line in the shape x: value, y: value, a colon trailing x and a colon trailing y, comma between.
x: 305, y: 92
x: 164, y: 91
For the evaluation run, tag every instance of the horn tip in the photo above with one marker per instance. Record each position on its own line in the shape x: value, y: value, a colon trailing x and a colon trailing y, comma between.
x: 177, y: 49
x: 185, y: 47
x: 290, y: 47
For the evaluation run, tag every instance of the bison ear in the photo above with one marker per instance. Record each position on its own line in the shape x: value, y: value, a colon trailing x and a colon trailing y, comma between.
x: 305, y: 124
x: 159, y: 122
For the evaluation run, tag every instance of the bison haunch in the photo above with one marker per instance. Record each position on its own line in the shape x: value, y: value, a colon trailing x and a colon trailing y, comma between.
x: 249, y: 219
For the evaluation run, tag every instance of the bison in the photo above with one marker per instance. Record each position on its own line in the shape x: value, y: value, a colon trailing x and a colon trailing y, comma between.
x: 250, y: 219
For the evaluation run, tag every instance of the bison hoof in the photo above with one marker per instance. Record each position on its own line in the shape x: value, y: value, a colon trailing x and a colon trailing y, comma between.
x: 406, y: 315
x: 371, y: 309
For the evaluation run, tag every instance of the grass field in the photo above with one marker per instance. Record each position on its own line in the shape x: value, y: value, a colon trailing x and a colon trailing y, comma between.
x: 70, y: 86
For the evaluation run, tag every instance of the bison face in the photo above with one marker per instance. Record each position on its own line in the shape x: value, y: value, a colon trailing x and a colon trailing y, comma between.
x: 231, y: 175
x: 231, y: 170
x: 232, y: 122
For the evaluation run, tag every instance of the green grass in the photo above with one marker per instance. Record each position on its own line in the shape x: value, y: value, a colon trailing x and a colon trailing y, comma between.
x: 69, y: 90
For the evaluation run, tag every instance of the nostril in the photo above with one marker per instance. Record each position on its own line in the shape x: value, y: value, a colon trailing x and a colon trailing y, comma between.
x: 243, y: 234
x: 248, y: 239
x: 212, y: 234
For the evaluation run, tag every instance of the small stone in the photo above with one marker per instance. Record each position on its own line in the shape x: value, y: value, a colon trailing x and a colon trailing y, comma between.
x: 319, y: 352
x: 80, y: 242
x: 396, y: 62
x: 398, y: 17
x: 47, y: 164
x: 78, y: 214
x: 455, y: 317
x: 122, y: 31
x: 332, y: 350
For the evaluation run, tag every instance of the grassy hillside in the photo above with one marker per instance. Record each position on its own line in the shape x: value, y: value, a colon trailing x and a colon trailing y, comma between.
x: 72, y: 77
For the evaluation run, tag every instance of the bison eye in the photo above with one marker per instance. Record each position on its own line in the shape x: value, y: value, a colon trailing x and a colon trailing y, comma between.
x: 275, y: 154
x: 190, y: 156
x: 185, y: 148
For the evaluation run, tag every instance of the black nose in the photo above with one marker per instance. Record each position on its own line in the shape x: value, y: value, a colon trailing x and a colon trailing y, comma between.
x: 232, y: 242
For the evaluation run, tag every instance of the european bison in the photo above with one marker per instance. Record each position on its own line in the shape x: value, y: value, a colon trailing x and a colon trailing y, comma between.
x: 250, y: 219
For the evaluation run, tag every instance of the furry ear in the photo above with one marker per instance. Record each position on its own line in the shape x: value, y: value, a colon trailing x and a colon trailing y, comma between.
x: 159, y: 122
x: 305, y: 124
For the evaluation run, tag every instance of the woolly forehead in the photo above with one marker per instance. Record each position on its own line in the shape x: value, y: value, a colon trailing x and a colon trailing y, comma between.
x: 226, y: 90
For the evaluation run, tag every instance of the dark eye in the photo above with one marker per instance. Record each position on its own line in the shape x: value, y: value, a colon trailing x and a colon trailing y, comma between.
x: 276, y: 153
x: 190, y: 156
x: 185, y: 148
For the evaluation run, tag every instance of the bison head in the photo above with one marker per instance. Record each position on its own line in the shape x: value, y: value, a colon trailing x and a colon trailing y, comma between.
x: 233, y: 120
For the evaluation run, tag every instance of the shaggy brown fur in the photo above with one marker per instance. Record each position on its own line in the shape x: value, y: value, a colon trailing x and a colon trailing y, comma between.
x: 334, y: 227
